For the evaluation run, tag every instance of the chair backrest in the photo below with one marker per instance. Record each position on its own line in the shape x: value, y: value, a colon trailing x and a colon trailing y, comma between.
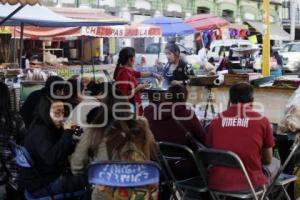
x: 221, y: 158
x: 123, y: 173
x: 176, y: 152
x: 22, y: 156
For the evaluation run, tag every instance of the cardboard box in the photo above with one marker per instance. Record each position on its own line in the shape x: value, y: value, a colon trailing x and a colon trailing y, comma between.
x: 202, y: 81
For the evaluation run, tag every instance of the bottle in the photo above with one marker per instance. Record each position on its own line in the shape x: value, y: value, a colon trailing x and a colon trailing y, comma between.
x: 276, y: 154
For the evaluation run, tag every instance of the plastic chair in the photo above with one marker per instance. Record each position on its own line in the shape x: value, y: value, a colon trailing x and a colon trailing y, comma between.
x: 24, y: 160
x: 171, y: 152
x: 124, y: 174
x: 221, y: 158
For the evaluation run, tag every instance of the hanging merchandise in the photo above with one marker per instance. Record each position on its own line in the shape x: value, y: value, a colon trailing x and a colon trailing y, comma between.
x: 206, y: 37
x: 226, y: 33
x: 253, y: 39
x: 218, y: 33
x: 233, y: 33
x: 244, y: 34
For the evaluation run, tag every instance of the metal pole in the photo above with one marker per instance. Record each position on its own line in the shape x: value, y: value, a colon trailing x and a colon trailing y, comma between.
x: 159, y: 47
x: 93, y: 66
x: 266, y: 39
x: 14, y: 46
x: 81, y: 70
x: 11, y: 14
x: 293, y: 18
x: 21, y: 45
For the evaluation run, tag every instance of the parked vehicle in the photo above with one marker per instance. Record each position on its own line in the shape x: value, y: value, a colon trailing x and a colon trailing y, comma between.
x: 291, y: 57
x: 152, y: 51
x: 224, y: 45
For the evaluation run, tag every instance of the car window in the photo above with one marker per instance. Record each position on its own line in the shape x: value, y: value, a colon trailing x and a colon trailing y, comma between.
x: 295, y: 48
x: 152, y: 48
x: 286, y: 48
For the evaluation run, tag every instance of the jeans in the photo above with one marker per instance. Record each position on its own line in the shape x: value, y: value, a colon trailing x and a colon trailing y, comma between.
x: 2, y: 192
x: 272, y: 169
x: 63, y: 184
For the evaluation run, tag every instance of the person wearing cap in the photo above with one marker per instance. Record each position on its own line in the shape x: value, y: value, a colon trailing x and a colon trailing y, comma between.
x: 176, y: 71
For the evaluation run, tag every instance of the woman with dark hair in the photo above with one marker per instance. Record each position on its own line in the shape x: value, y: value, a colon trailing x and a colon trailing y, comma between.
x: 74, y: 89
x: 54, y: 86
x: 49, y: 143
x: 12, y: 128
x: 113, y: 132
x: 127, y: 78
x: 177, y: 71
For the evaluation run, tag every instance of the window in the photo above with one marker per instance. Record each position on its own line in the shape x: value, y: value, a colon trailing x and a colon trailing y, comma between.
x: 286, y: 48
x: 291, y: 48
x: 295, y: 48
x: 152, y: 48
x: 203, y: 10
x: 227, y: 13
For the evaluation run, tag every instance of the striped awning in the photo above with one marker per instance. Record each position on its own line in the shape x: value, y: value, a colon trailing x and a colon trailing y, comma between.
x: 121, y: 31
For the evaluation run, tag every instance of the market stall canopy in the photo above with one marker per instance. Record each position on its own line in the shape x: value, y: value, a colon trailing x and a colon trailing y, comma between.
x: 124, y: 31
x: 171, y: 26
x: 237, y: 26
x: 39, y: 15
x: 46, y: 33
x: 22, y: 2
x: 276, y: 32
x: 84, y: 13
x: 206, y: 21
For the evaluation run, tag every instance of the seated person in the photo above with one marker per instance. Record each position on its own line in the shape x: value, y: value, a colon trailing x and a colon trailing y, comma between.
x: 80, y: 112
x: 248, y: 134
x: 53, y: 85
x: 49, y: 143
x: 210, y: 68
x: 112, y: 140
x: 12, y: 128
x: 165, y: 128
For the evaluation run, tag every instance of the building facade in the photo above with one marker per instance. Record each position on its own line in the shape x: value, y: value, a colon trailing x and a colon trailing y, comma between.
x: 136, y: 11
x: 286, y: 17
x: 233, y: 10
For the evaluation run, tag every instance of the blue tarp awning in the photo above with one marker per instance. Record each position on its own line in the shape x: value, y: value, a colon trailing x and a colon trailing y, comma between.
x: 39, y: 15
x: 171, y: 27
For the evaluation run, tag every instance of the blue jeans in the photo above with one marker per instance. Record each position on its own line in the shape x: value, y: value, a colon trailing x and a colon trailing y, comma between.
x: 63, y: 184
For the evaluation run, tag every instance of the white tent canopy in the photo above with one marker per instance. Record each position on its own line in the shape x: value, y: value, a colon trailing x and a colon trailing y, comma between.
x: 276, y: 32
x: 39, y: 15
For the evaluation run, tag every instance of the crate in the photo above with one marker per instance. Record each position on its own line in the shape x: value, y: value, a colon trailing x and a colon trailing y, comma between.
x: 202, y: 81
x: 232, y: 79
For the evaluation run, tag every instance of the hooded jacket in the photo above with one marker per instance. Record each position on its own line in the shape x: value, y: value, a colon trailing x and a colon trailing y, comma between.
x: 49, y: 149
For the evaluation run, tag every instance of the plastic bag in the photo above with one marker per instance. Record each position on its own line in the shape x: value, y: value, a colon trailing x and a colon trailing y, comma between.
x: 291, y: 120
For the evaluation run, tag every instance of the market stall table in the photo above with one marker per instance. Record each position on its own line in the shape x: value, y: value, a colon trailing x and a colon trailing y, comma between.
x: 270, y: 101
